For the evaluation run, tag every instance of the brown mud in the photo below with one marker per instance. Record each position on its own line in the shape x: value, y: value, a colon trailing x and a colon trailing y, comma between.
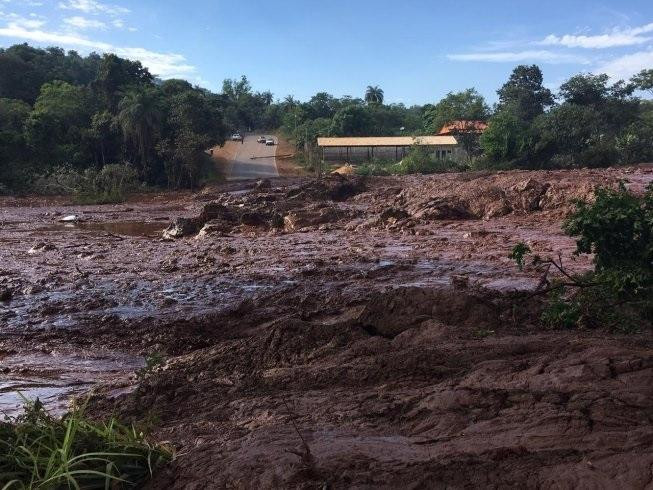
x: 335, y: 334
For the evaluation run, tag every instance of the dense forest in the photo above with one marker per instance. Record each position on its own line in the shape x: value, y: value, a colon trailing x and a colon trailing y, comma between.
x: 102, y: 118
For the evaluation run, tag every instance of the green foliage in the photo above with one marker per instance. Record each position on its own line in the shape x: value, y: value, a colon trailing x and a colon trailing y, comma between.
x: 38, y: 451
x: 352, y: 120
x: 89, y: 112
x: 518, y: 253
x: 418, y: 161
x: 560, y: 312
x: 644, y: 80
x: 525, y: 94
x: 465, y: 105
x: 505, y: 138
x: 111, y: 184
x: 617, y: 228
x: 374, y: 95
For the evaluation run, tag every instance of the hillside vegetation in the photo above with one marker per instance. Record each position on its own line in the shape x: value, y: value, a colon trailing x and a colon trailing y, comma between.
x: 101, y: 126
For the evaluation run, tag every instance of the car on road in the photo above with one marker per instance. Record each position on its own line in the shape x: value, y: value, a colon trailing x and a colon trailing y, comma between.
x: 269, y: 142
x: 236, y: 137
x: 261, y: 139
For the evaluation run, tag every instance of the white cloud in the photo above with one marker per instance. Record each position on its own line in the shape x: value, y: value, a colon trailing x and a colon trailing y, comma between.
x: 165, y: 65
x: 616, y: 38
x: 93, y: 7
x: 628, y: 65
x: 84, y: 23
x: 31, y: 22
x: 543, y: 56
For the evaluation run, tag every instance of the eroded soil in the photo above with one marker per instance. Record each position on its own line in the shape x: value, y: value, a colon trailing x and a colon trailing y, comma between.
x: 342, y: 334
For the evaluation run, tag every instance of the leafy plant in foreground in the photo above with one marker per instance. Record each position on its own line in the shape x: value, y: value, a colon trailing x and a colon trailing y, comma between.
x: 618, y: 229
x: 38, y: 451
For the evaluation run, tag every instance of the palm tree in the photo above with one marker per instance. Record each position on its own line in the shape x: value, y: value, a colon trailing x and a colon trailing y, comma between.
x: 289, y: 102
x: 374, y: 95
x: 139, y: 116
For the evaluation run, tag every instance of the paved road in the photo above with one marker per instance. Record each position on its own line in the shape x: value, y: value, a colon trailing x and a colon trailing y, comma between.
x: 263, y: 165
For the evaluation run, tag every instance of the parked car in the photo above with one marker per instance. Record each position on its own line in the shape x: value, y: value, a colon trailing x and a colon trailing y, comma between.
x: 261, y: 139
x: 236, y: 137
x: 269, y: 142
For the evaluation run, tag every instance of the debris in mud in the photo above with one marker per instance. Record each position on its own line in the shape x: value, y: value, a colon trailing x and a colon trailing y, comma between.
x: 335, y: 187
x: 443, y: 208
x: 311, y: 217
x: 71, y: 218
x: 263, y: 185
x: 181, y: 227
x: 392, y: 215
x: 41, y: 247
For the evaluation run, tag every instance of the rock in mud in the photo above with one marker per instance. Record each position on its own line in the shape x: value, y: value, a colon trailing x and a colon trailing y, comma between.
x: 530, y: 191
x: 182, y: 227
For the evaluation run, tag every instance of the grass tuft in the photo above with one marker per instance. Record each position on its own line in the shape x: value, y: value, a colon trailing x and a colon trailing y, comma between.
x: 39, y: 451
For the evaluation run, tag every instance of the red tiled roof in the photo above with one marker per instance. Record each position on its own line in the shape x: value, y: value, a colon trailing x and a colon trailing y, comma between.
x: 462, y: 127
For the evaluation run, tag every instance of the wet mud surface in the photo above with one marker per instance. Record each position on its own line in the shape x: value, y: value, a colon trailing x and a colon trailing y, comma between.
x: 353, y: 334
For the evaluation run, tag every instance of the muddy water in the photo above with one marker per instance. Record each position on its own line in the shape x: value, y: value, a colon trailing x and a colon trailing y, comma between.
x: 55, y: 377
x: 124, y: 228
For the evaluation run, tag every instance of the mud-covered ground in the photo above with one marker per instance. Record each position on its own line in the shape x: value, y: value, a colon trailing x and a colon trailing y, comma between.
x: 336, y: 334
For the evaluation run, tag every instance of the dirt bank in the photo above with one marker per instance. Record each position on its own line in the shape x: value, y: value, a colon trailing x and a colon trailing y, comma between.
x: 347, y: 333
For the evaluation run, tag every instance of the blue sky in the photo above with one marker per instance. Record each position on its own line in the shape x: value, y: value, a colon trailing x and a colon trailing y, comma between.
x: 416, y: 50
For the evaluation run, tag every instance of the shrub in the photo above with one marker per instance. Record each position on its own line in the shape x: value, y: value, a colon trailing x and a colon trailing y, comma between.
x: 618, y: 229
x: 418, y: 161
x: 40, y: 451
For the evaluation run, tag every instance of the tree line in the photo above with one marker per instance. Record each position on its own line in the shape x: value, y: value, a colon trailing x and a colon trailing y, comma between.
x: 60, y: 110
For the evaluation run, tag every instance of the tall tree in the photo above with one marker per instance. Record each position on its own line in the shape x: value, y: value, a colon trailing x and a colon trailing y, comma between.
x: 374, y: 95
x: 525, y: 93
x: 468, y: 104
x: 116, y: 75
x: 140, y: 117
x: 644, y: 80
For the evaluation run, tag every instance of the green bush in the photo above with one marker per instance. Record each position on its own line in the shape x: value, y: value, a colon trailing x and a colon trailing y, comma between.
x: 617, y: 228
x: 418, y: 161
x: 38, y: 451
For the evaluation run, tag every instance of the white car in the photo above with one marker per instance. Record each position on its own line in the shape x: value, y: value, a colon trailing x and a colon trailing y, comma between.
x: 269, y: 142
x: 261, y: 139
x: 236, y: 137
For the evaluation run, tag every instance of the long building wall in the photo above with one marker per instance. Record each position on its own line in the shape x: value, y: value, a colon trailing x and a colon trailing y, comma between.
x: 357, y: 154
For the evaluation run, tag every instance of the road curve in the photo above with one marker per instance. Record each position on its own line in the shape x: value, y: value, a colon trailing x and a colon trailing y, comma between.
x: 253, y: 160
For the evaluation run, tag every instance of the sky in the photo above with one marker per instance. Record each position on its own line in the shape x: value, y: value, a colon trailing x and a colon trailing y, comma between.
x: 415, y: 50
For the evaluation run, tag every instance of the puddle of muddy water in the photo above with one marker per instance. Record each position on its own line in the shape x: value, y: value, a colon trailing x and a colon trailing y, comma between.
x: 55, y: 378
x: 124, y: 228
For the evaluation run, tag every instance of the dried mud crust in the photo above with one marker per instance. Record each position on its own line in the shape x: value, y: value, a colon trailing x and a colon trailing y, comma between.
x: 378, y: 323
